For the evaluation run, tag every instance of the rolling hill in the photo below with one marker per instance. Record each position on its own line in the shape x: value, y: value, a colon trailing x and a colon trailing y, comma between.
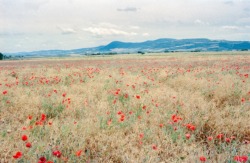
x: 159, y: 45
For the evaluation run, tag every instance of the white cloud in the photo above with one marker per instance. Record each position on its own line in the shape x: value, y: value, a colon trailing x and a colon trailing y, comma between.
x: 199, y: 22
x: 108, y: 31
x: 67, y: 30
x: 228, y: 27
x: 134, y: 27
x: 128, y: 9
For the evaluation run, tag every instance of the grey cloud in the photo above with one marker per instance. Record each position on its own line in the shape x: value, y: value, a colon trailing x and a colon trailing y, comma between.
x: 128, y: 9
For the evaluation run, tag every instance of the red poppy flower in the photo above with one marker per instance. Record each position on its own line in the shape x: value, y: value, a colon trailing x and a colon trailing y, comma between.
x: 210, y: 138
x: 42, y: 160
x: 154, y: 147
x: 119, y: 112
x: 43, y: 117
x: 175, y: 118
x: 191, y: 127
x: 241, y: 158
x: 30, y: 117
x: 203, y: 159
x: 141, y: 135
x: 5, y: 92
x: 28, y: 145
x: 24, y: 137
x: 228, y: 140
x: 220, y: 136
x: 188, y: 136
x: 78, y: 153
x: 17, y: 155
x: 138, y: 96
x: 57, y: 153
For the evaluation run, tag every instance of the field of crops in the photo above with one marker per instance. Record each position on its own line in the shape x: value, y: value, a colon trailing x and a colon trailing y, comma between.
x: 126, y: 108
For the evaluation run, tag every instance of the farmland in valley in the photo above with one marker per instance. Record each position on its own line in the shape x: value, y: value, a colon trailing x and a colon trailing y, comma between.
x: 177, y: 107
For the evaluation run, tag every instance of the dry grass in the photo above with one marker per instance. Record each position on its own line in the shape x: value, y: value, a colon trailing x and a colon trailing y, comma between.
x: 120, y: 108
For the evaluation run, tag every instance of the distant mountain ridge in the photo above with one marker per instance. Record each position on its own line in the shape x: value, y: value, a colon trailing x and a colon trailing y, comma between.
x: 159, y: 45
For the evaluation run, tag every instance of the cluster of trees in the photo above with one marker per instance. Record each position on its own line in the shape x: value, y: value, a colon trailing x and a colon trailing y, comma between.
x: 1, y: 56
x: 4, y: 57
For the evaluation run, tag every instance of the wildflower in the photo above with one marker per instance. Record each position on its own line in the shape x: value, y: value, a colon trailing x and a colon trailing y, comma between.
x: 191, y: 127
x: 203, y: 159
x: 188, y: 136
x: 64, y: 94
x: 109, y: 122
x: 30, y: 117
x: 228, y: 140
x: 43, y: 117
x: 220, y: 136
x: 141, y: 135
x: 243, y: 100
x: 119, y: 112
x: 175, y: 118
x: 122, y: 118
x: 78, y: 153
x: 154, y: 147
x: 39, y: 123
x: 161, y: 125
x: 57, y: 153
x: 240, y: 158
x: 17, y: 155
x: 24, y: 128
x: 138, y: 96
x: 24, y: 137
x: 126, y: 95
x: 210, y: 138
x: 42, y: 160
x: 5, y: 92
x: 28, y: 145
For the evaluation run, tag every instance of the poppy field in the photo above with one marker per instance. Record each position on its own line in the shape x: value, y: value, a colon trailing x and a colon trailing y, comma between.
x: 181, y: 107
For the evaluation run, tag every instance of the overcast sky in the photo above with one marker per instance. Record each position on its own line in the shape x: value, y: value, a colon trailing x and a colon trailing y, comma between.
x: 28, y: 25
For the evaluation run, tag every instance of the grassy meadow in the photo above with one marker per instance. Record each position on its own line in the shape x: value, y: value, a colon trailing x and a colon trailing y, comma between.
x: 180, y: 107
